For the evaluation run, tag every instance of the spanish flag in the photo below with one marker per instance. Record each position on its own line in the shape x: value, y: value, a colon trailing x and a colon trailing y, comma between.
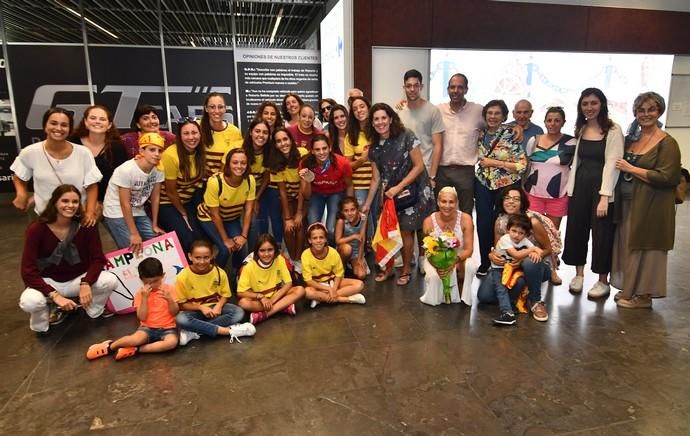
x: 387, y: 239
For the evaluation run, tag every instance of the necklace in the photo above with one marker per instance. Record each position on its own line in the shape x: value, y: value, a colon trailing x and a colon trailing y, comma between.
x: 446, y: 226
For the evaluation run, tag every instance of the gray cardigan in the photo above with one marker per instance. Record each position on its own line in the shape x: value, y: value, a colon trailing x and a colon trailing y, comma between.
x: 613, y: 151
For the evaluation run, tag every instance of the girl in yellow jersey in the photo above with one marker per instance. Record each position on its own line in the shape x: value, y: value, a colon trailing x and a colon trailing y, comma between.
x: 323, y: 272
x: 269, y: 112
x: 357, y: 144
x: 225, y: 213
x: 255, y: 148
x: 183, y: 164
x: 265, y: 285
x: 283, y: 163
x: 217, y: 135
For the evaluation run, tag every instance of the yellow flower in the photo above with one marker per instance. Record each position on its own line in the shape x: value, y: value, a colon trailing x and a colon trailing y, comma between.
x: 430, y: 245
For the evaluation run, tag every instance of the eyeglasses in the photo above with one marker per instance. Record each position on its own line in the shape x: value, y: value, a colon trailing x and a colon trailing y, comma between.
x: 516, y: 199
x: 213, y: 107
x: 326, y: 108
x: 187, y: 120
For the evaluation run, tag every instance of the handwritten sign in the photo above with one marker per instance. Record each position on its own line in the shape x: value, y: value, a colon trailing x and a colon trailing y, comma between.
x: 123, y: 263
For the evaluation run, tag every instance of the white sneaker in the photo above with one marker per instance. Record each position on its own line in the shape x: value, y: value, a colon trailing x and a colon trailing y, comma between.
x: 297, y: 265
x: 357, y: 299
x: 420, y: 265
x: 239, y: 330
x: 576, y: 284
x: 599, y: 290
x: 186, y: 336
x: 314, y: 303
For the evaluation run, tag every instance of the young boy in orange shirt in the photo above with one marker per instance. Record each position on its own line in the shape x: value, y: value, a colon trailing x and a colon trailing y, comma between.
x: 156, y: 304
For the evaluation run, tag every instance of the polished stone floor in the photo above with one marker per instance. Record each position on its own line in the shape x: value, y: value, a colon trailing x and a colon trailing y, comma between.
x: 393, y: 366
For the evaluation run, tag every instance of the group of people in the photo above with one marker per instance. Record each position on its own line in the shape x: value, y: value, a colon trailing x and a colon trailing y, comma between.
x: 304, y: 195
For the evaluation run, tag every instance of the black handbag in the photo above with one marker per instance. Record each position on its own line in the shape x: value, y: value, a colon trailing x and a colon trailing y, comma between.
x: 407, y: 197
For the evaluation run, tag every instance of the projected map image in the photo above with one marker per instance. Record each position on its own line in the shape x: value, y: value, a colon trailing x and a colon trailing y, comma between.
x: 552, y: 78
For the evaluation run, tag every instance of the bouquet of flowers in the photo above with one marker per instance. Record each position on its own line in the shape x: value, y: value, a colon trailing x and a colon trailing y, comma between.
x: 440, y: 252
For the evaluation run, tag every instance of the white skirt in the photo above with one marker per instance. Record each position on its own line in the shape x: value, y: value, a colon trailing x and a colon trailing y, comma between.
x: 433, y: 285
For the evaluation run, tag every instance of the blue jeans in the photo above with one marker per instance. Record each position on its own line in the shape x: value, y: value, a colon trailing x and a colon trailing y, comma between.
x: 500, y: 289
x: 170, y: 220
x: 120, y: 232
x: 259, y: 224
x: 535, y: 275
x: 232, y: 228
x: 361, y: 196
x: 329, y: 202
x: 156, y: 335
x: 195, y: 321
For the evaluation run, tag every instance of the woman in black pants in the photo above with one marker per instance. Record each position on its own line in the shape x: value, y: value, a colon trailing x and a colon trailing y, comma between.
x: 591, y: 186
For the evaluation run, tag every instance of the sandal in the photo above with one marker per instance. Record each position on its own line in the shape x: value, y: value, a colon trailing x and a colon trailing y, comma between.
x: 125, y: 352
x: 403, y: 280
x: 98, y: 350
x: 382, y: 276
x: 555, y: 279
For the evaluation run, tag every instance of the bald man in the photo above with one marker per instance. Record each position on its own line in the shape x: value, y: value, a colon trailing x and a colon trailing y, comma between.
x: 522, y: 112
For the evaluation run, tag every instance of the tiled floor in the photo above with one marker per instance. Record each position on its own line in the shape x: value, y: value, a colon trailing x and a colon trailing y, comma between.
x: 393, y: 366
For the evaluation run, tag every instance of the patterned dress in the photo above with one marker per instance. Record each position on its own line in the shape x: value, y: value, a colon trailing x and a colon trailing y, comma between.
x: 392, y: 159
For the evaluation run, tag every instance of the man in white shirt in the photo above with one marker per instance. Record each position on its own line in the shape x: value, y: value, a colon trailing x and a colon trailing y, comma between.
x: 463, y: 122
x: 424, y: 119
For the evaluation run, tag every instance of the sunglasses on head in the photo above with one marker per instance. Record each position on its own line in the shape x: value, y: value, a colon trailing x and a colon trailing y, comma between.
x: 187, y: 119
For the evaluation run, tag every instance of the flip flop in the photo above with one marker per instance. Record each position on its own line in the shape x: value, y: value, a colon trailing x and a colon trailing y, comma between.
x: 98, y: 350
x: 403, y: 280
x: 382, y: 276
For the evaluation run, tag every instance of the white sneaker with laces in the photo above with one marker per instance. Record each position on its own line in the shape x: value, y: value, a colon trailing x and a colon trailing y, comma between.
x: 599, y: 290
x: 357, y: 299
x: 576, y: 284
x: 186, y: 336
x: 239, y: 330
x: 313, y: 303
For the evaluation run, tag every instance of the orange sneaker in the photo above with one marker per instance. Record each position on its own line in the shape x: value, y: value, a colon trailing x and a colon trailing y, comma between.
x: 98, y: 350
x: 125, y: 352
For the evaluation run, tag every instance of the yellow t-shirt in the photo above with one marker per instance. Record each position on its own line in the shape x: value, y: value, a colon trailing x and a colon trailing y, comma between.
x: 266, y: 281
x: 322, y: 270
x: 205, y: 289
x: 290, y: 176
x: 256, y: 169
x: 231, y: 200
x: 361, y: 177
x: 223, y: 141
x: 171, y: 167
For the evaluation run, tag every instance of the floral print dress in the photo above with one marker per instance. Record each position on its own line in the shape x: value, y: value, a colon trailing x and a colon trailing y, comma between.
x: 392, y: 159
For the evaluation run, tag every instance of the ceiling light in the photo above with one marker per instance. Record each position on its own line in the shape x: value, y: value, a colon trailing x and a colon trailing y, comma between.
x: 97, y: 26
x: 275, y: 28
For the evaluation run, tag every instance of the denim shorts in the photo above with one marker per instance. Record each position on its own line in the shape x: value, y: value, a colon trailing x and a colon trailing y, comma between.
x: 156, y: 335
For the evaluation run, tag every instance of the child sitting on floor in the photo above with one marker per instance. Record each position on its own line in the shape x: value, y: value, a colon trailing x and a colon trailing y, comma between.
x: 203, y: 290
x: 513, y: 246
x: 323, y: 272
x: 351, y: 236
x: 265, y: 285
x: 156, y: 305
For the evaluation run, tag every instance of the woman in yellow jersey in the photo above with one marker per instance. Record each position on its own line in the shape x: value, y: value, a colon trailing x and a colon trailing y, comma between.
x: 323, y: 272
x: 255, y: 148
x: 357, y: 144
x: 337, y: 128
x: 283, y: 163
x: 265, y: 285
x: 269, y: 112
x: 183, y: 163
x: 225, y: 213
x: 217, y: 135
